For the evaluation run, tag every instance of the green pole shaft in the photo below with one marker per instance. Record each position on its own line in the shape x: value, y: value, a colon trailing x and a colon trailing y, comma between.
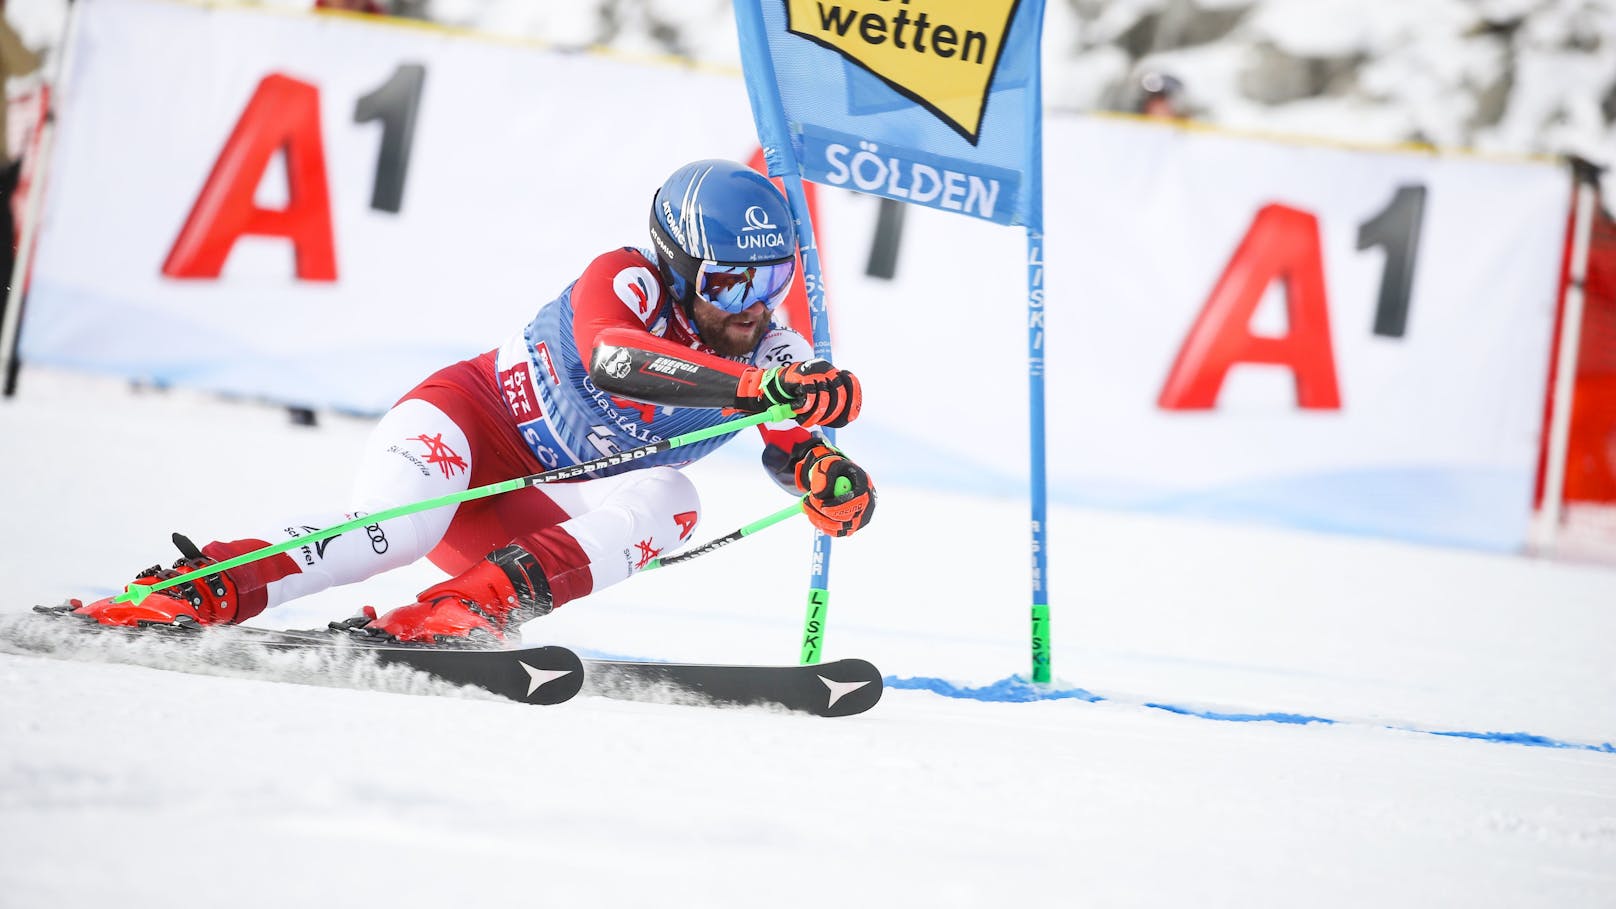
x: 795, y: 508
x: 134, y: 593
x: 1040, y: 643
x: 813, y: 624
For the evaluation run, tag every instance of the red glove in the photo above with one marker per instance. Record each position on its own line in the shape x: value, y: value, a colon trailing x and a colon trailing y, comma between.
x: 819, y: 393
x: 841, y: 497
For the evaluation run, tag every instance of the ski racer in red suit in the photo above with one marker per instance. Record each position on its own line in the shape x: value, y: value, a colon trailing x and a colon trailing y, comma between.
x: 643, y: 346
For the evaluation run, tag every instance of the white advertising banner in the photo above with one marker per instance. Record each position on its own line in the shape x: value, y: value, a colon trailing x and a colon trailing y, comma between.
x: 322, y: 210
x: 1337, y: 339
x: 1334, y: 338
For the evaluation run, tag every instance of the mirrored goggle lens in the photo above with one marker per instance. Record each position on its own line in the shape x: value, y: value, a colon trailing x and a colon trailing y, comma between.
x: 734, y: 288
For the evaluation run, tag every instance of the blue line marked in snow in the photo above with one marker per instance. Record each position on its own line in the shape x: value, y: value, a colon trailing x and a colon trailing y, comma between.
x: 1295, y: 719
x: 1524, y: 738
x: 1017, y: 690
x: 1013, y: 690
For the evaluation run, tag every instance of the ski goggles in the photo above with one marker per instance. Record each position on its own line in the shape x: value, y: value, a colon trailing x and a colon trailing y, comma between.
x: 734, y: 288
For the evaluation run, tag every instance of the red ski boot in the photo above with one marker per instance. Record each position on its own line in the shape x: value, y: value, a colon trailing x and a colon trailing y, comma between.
x: 207, y: 600
x: 476, y: 608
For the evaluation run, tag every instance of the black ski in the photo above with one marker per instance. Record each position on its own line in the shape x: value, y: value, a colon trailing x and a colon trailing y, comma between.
x: 552, y: 674
x: 839, y: 688
x: 532, y: 675
x: 543, y: 675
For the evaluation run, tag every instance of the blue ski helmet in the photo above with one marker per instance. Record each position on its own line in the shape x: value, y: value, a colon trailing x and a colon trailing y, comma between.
x: 722, y: 231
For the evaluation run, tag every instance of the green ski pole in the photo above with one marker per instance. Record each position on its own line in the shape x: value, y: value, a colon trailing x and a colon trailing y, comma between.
x: 813, y: 624
x: 135, y: 593
x: 795, y: 508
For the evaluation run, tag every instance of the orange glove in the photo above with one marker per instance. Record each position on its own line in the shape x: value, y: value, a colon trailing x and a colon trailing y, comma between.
x: 841, y: 497
x: 821, y: 394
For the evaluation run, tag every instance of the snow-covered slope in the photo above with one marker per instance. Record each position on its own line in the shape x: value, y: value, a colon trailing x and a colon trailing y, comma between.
x: 1244, y: 716
x: 130, y: 786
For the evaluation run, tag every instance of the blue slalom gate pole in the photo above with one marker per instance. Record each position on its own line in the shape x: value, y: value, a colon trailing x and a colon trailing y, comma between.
x: 1038, y: 487
x: 774, y: 136
x: 1041, y: 667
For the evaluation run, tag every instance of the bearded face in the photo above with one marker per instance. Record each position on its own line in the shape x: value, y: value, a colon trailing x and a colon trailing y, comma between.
x: 731, y: 334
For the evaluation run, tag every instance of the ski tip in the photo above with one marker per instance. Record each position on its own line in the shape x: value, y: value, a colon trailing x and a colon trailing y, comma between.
x: 554, y: 679
x: 852, y: 686
x: 838, y: 688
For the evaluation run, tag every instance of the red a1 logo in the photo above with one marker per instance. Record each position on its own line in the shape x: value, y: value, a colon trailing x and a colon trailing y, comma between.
x: 283, y: 118
x: 1282, y: 244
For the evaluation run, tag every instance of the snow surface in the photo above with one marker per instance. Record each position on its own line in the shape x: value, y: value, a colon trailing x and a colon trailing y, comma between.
x: 123, y: 785
x: 131, y: 786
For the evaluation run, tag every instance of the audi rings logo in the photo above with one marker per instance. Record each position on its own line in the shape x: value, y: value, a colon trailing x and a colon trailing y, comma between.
x: 378, y: 538
x: 758, y: 219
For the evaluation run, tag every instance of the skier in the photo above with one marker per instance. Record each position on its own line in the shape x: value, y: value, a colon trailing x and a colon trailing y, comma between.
x: 646, y: 344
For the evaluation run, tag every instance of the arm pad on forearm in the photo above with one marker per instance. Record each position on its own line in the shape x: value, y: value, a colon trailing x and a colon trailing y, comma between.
x: 660, y: 378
